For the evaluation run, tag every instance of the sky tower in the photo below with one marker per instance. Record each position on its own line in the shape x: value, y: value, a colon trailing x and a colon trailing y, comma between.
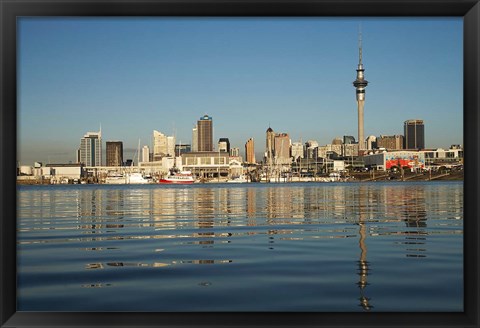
x: 360, y: 84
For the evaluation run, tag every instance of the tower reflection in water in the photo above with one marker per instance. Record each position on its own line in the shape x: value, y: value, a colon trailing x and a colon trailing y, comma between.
x: 363, y: 268
x: 363, y: 264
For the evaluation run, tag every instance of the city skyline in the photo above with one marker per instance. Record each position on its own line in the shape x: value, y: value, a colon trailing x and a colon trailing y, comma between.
x: 134, y: 76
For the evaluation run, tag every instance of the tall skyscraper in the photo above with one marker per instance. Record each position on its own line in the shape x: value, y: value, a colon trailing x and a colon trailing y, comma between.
x: 360, y: 84
x: 414, y: 132
x: 250, y: 151
x: 205, y: 133
x: 282, y: 148
x: 114, y: 153
x: 270, y: 144
x: 90, y: 152
x: 162, y: 145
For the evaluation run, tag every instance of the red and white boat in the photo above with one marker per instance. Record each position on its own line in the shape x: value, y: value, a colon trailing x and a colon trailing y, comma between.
x: 182, y: 177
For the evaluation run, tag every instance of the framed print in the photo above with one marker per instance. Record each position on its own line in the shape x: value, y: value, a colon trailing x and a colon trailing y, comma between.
x: 272, y: 163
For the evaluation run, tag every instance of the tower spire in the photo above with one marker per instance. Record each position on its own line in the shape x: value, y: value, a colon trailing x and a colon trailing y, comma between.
x: 360, y: 45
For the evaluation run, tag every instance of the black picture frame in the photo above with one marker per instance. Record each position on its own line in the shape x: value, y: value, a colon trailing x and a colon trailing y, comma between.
x: 10, y: 10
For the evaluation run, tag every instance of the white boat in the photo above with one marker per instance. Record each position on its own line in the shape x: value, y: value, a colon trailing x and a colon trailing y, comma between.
x: 238, y: 179
x: 137, y: 178
x: 128, y: 178
x: 182, y: 177
x: 115, y: 178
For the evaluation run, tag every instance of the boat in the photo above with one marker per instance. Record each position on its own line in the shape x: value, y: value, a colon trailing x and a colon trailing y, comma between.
x: 181, y: 177
x: 137, y: 178
x: 115, y: 178
x: 238, y: 179
x: 128, y: 178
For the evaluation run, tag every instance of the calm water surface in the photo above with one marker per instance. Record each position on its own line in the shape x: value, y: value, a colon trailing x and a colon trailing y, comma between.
x: 251, y: 247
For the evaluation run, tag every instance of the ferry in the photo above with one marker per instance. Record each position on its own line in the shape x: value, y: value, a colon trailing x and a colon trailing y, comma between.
x: 182, y: 177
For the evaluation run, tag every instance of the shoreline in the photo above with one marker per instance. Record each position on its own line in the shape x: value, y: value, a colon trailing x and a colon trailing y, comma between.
x: 355, y: 178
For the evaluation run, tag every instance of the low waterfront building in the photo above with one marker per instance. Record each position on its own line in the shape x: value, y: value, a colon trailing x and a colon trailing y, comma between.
x: 206, y: 164
x: 414, y: 160
x: 441, y: 157
x: 70, y: 171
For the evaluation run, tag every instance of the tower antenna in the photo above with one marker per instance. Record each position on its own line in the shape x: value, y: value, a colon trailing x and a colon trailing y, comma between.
x: 360, y: 43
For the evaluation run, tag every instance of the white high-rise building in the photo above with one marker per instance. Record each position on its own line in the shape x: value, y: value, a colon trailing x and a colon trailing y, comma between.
x: 162, y: 145
x: 145, y: 154
x: 90, y: 152
x: 195, y: 139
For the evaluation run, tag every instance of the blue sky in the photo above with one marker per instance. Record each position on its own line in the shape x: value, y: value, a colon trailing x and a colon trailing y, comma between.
x: 136, y: 75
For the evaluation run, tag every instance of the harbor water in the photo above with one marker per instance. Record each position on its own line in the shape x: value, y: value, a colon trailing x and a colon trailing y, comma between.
x: 320, y: 247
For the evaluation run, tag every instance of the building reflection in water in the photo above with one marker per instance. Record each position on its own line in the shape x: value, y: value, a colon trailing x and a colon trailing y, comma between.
x: 375, y: 207
x: 409, y: 205
x: 251, y: 207
x: 166, y: 227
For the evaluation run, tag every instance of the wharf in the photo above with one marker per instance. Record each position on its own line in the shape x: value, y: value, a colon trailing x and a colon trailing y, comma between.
x: 408, y: 176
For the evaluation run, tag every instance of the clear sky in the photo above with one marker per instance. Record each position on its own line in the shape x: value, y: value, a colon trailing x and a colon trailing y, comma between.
x: 136, y: 75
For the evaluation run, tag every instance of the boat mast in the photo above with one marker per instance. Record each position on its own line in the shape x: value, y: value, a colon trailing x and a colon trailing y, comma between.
x: 138, y: 155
